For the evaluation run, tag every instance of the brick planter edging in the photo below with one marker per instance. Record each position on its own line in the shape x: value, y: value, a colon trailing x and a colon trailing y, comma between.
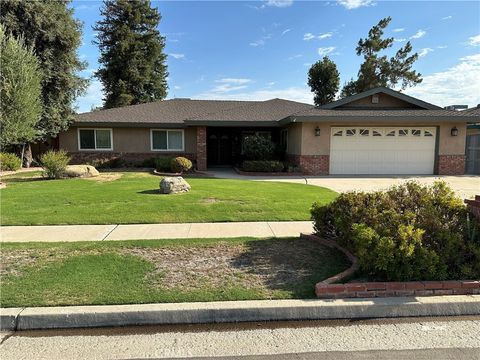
x: 261, y: 173
x: 328, y: 289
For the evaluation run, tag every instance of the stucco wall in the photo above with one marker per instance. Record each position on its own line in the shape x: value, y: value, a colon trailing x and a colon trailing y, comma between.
x: 320, y: 145
x: 127, y: 140
x: 384, y: 101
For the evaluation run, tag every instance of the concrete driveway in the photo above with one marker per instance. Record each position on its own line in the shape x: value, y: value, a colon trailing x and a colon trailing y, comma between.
x: 465, y: 186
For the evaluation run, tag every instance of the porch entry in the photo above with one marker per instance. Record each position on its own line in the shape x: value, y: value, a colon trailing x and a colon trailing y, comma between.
x: 224, y: 144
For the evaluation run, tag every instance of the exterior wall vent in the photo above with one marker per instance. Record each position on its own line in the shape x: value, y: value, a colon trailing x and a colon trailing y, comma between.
x: 375, y: 99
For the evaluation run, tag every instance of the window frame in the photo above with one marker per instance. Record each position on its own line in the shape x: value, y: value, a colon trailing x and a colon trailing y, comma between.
x: 167, y: 150
x: 95, y: 139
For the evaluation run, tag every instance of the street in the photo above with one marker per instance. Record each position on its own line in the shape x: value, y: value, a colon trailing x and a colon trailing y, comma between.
x: 404, y: 338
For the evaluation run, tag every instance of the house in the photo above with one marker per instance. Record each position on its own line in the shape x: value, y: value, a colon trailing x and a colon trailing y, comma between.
x: 473, y: 143
x: 379, y: 131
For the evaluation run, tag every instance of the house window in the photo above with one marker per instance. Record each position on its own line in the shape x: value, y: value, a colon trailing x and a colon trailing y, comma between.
x: 95, y: 139
x: 167, y: 140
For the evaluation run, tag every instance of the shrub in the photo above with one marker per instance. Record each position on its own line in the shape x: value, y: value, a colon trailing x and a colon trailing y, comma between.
x: 10, y: 162
x: 257, y: 147
x: 54, y: 163
x: 180, y: 165
x: 409, y: 232
x: 108, y: 163
x: 148, y: 163
x: 163, y: 164
x: 263, y: 165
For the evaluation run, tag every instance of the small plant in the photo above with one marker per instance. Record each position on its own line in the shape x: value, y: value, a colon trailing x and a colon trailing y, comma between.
x: 180, y: 165
x: 257, y: 147
x: 263, y: 165
x: 108, y: 163
x: 10, y: 162
x: 163, y: 164
x: 54, y: 163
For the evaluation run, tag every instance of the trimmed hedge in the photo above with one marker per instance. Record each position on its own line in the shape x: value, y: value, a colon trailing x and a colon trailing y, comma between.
x: 263, y: 166
x: 409, y: 232
x: 163, y: 164
x: 10, y: 162
x: 180, y: 165
x: 256, y: 147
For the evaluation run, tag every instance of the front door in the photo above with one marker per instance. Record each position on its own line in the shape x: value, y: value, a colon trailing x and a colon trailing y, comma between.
x: 219, y: 148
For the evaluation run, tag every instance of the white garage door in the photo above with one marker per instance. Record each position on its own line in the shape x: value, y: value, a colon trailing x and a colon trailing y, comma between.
x: 377, y: 150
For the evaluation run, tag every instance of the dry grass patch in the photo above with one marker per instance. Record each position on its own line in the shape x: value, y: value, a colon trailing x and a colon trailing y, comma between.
x: 105, y: 177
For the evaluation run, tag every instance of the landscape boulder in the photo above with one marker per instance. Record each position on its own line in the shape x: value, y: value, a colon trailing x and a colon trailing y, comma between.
x: 174, y: 185
x: 81, y: 171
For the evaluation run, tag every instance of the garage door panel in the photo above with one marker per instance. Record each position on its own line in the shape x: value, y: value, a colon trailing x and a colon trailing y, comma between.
x: 413, y: 153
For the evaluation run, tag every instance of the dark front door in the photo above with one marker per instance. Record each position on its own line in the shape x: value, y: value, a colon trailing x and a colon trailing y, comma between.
x: 219, y: 147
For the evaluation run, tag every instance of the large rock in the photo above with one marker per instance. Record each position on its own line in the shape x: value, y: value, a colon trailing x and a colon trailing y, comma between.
x: 81, y: 171
x: 173, y: 185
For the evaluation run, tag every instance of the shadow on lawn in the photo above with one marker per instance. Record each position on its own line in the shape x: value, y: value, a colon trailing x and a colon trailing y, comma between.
x: 150, y: 192
x: 293, y: 265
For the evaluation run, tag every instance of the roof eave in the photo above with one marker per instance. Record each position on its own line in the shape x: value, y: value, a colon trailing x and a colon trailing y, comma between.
x: 379, y: 119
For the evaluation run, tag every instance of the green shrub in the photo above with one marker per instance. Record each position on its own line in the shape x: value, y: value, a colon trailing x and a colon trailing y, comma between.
x: 54, y: 163
x: 256, y: 147
x: 147, y: 163
x: 180, y: 165
x: 163, y: 164
x: 114, y: 162
x: 409, y: 232
x: 10, y: 162
x: 263, y: 165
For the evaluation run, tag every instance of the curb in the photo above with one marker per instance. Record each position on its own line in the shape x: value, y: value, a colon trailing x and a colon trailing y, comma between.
x: 235, y: 311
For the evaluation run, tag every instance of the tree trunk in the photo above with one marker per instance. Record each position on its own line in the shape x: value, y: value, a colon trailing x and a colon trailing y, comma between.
x: 28, y: 156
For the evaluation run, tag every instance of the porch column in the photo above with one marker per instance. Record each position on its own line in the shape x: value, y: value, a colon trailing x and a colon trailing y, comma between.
x: 201, y: 148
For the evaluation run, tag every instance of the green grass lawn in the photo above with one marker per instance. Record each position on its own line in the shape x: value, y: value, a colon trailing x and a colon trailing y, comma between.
x: 133, y: 197
x: 152, y: 271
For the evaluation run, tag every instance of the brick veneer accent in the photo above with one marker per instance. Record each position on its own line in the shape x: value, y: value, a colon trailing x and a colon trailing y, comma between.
x: 132, y: 158
x: 201, y: 148
x: 386, y: 289
x: 451, y: 164
x: 474, y: 206
x: 311, y: 164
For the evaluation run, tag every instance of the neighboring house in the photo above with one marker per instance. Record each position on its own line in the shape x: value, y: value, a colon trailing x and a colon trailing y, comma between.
x: 473, y: 144
x: 379, y: 131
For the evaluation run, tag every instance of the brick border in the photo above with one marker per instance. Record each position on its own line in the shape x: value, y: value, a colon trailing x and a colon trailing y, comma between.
x: 329, y: 289
x: 451, y: 164
x: 311, y: 164
x: 201, y: 148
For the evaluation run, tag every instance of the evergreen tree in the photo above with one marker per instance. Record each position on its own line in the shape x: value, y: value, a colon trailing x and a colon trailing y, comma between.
x: 20, y: 91
x: 324, y: 80
x: 133, y: 66
x: 379, y: 70
x: 49, y: 27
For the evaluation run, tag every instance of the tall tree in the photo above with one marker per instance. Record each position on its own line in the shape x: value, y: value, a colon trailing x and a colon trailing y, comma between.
x: 324, y: 80
x: 20, y: 91
x: 50, y: 28
x: 133, y: 65
x: 379, y: 70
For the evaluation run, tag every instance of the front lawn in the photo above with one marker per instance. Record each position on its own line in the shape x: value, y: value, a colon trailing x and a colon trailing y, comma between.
x: 133, y: 197
x: 152, y: 271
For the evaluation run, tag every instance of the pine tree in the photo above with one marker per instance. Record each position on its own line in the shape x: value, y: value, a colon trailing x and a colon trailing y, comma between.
x: 50, y: 28
x: 379, y: 70
x: 324, y: 80
x: 133, y: 65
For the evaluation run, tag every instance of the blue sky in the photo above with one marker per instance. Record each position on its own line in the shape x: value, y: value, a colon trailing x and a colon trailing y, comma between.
x: 262, y: 49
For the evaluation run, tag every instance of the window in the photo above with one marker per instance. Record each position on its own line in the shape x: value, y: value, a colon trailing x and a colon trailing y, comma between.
x: 416, y: 132
x: 167, y: 140
x: 391, y: 133
x: 403, y: 132
x: 364, y: 132
x: 351, y: 132
x: 427, y: 133
x: 95, y: 139
x: 376, y: 133
x: 338, y: 133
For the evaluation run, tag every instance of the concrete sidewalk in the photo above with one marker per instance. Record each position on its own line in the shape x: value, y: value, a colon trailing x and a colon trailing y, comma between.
x: 55, y: 233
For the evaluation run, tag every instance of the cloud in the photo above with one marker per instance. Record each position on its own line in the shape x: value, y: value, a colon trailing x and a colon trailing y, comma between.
x: 419, y: 34
x: 297, y: 56
x: 92, y: 98
x: 399, y: 39
x: 322, y: 51
x: 227, y: 85
x: 233, y: 81
x: 398, y: 30
x: 452, y: 86
x: 355, y: 4
x: 441, y: 46
x: 310, y: 36
x: 447, y: 17
x: 475, y: 40
x: 286, y: 31
x: 177, y: 56
x: 424, y: 52
x: 279, y: 3
x: 301, y: 94
x: 262, y: 41
x: 176, y: 87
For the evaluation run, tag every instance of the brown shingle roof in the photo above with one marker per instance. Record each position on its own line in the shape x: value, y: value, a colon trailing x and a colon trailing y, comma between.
x: 420, y: 113
x: 177, y: 111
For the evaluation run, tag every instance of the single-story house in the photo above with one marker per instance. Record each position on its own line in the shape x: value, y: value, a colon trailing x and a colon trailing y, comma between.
x: 379, y: 131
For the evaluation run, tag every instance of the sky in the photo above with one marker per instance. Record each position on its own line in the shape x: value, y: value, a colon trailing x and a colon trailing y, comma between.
x: 260, y: 50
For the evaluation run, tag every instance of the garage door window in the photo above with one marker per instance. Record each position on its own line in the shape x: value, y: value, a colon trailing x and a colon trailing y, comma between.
x: 376, y: 133
x: 338, y: 133
x: 427, y: 133
x: 364, y: 132
x: 351, y: 132
x: 402, y: 132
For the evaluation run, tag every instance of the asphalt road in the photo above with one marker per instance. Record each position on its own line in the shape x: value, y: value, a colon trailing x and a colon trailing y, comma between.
x: 412, y: 338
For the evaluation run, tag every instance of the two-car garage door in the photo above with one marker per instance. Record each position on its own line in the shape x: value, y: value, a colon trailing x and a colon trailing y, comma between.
x: 382, y: 150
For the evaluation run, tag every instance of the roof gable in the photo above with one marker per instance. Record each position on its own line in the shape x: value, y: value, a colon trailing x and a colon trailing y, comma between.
x: 399, y: 100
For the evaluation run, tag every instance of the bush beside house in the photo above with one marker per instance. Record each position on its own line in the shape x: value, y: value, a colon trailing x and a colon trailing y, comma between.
x: 10, y: 162
x: 409, y: 232
x: 259, y: 152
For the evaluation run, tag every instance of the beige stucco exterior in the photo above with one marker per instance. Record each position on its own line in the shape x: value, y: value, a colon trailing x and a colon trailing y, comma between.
x: 127, y: 140
x: 309, y: 144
